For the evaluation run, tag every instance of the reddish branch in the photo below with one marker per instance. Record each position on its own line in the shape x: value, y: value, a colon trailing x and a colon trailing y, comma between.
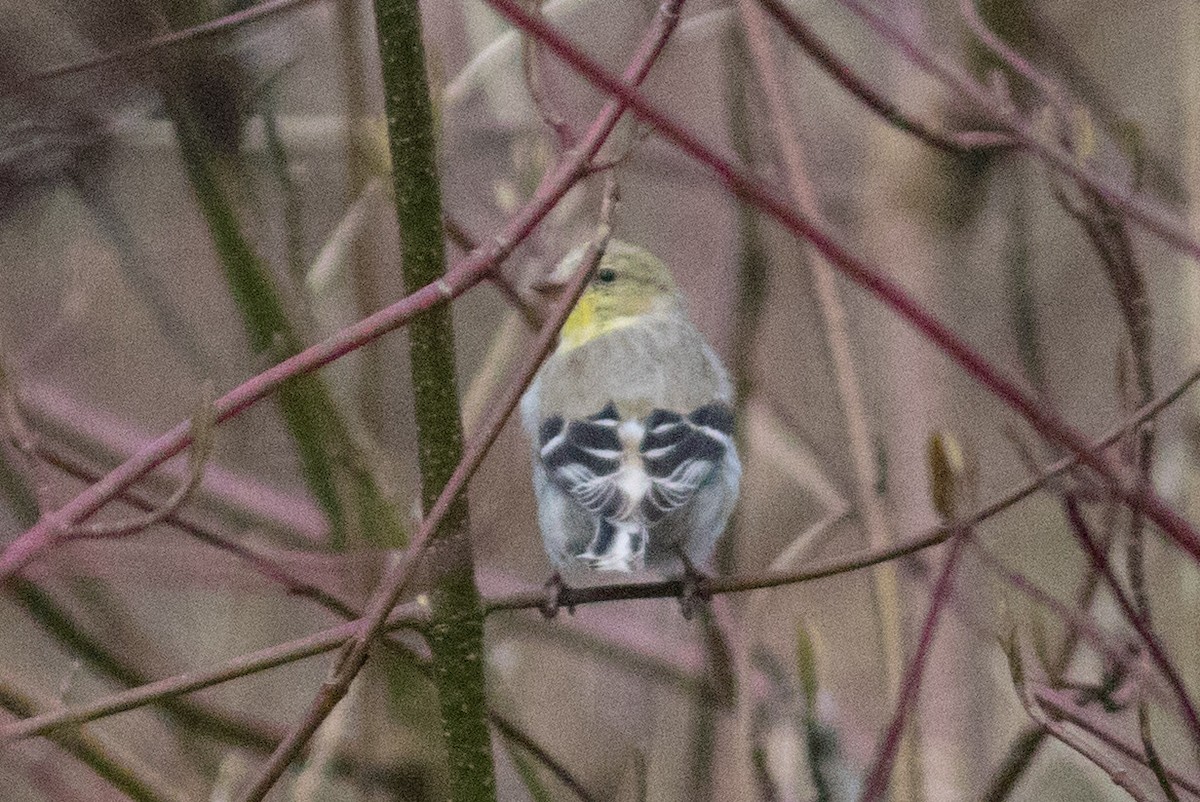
x: 462, y: 276
x: 870, y: 278
x: 1001, y: 113
x: 877, y: 779
x: 1157, y: 652
x: 954, y: 143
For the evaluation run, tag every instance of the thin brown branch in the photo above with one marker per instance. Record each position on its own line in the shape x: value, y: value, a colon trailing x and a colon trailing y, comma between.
x: 954, y: 143
x: 151, y: 46
x: 1153, y: 760
x: 543, y: 101
x: 1010, y: 391
x: 201, y: 434
x: 407, y: 616
x: 1157, y: 652
x: 876, y: 783
x: 870, y: 504
x: 519, y: 737
x: 1060, y: 706
x: 1029, y: 700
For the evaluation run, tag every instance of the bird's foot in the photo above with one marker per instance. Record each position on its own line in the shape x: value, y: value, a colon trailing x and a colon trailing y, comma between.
x: 694, y: 593
x: 555, y: 590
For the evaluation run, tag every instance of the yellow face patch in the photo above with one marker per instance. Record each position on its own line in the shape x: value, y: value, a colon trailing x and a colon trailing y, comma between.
x: 595, y: 313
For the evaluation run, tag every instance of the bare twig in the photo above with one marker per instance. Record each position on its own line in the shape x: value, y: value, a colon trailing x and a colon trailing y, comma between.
x: 1157, y: 652
x: 1029, y: 701
x: 875, y: 786
x: 1152, y: 757
x: 327, y: 640
x: 106, y: 758
x: 1060, y: 707
x: 133, y: 52
x: 201, y: 434
x: 868, y: 501
x: 551, y: 115
x: 1010, y: 391
x: 955, y: 143
x: 519, y: 737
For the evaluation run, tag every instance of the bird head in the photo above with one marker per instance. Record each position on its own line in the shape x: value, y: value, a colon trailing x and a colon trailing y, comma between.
x: 627, y: 285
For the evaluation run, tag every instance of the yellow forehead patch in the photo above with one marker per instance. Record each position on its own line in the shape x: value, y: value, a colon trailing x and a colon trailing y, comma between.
x: 589, y: 319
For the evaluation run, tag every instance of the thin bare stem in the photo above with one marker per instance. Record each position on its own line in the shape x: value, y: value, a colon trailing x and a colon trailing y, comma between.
x: 1029, y: 701
x: 1059, y: 706
x: 849, y: 392
x: 1157, y: 652
x: 551, y: 115
x: 201, y: 434
x: 106, y: 758
x: 327, y: 640
x: 151, y: 46
x: 1049, y: 89
x: 1043, y: 419
x: 875, y: 786
x: 1153, y: 760
x: 519, y: 737
x: 957, y: 144
x: 461, y: 277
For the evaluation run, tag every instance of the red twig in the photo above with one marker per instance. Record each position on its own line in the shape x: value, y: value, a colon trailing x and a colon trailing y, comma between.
x: 1061, y: 706
x: 210, y: 28
x: 1139, y: 208
x: 1021, y: 400
x: 957, y: 144
x: 462, y: 276
x: 877, y: 779
x: 1157, y: 652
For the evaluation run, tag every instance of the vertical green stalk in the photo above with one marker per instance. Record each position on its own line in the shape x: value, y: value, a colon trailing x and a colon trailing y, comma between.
x: 456, y: 634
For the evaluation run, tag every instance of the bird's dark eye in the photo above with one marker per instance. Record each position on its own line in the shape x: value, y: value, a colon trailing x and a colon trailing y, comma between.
x: 606, y: 275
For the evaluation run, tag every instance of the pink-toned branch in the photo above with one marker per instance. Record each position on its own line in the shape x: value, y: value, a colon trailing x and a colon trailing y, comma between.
x: 875, y: 786
x: 462, y: 276
x: 1157, y: 651
x: 1008, y: 390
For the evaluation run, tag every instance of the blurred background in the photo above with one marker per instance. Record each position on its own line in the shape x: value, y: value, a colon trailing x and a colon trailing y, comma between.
x: 132, y: 192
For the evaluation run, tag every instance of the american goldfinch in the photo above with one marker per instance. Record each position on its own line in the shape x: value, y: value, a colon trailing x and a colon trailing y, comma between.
x: 631, y: 420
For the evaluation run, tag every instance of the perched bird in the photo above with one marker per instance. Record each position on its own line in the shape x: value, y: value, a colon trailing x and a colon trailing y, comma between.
x: 634, y: 464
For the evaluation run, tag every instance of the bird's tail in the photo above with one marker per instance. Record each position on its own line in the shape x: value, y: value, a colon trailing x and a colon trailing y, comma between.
x: 617, y: 546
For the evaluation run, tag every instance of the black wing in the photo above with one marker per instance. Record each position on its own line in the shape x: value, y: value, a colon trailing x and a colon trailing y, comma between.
x: 680, y: 454
x: 583, y: 457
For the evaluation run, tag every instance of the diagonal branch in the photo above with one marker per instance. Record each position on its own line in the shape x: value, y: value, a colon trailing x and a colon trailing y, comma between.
x: 1136, y: 619
x: 1144, y: 210
x: 462, y: 276
x: 877, y: 779
x: 150, y: 46
x: 872, y: 279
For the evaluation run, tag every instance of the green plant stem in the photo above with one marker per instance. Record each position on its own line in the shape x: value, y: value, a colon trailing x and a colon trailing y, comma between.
x: 456, y: 634
x: 324, y: 440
